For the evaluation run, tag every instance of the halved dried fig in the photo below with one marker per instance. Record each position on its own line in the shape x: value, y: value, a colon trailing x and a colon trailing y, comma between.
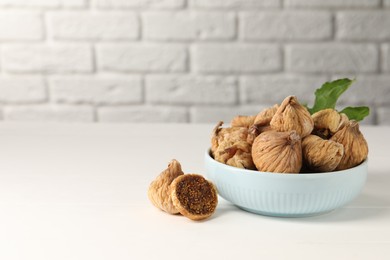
x: 159, y: 190
x: 194, y: 196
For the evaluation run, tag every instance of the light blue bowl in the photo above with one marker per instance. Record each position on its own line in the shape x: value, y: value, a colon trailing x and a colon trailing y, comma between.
x: 286, y: 195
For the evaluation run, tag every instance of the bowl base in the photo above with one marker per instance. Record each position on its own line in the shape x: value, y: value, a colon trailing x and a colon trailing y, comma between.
x: 284, y: 215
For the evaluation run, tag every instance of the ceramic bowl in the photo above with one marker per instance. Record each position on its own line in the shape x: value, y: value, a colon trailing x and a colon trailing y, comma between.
x: 286, y: 195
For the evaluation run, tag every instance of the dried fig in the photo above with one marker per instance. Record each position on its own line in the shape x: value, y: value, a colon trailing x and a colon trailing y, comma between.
x: 261, y: 123
x: 159, y: 190
x: 321, y: 155
x: 230, y: 146
x: 327, y: 122
x: 222, y: 135
x: 277, y: 152
x: 292, y: 116
x: 355, y: 146
x: 265, y: 116
x: 255, y: 130
x: 242, y: 121
x: 194, y: 196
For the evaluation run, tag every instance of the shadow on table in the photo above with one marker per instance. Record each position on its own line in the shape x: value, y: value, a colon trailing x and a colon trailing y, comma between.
x: 347, y: 215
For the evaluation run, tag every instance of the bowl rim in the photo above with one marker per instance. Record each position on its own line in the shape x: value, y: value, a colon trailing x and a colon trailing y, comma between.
x: 285, y: 175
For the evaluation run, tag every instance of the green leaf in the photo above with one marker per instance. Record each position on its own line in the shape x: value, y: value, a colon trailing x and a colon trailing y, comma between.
x: 356, y: 113
x: 329, y: 93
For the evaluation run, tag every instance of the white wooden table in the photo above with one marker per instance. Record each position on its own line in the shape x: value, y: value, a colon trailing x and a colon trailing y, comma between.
x: 79, y: 192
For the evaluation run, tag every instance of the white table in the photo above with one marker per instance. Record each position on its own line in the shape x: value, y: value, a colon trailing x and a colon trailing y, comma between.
x: 79, y: 192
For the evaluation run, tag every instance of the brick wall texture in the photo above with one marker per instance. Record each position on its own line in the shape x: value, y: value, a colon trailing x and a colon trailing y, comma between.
x: 190, y: 61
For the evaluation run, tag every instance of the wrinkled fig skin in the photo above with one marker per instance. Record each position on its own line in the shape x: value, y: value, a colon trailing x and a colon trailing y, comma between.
x: 242, y: 121
x: 355, y: 146
x: 230, y: 146
x: 215, y: 136
x: 321, y: 155
x: 277, y: 152
x: 159, y: 189
x: 260, y: 123
x: 265, y: 116
x: 223, y: 135
x: 327, y: 122
x: 292, y: 116
x: 254, y: 132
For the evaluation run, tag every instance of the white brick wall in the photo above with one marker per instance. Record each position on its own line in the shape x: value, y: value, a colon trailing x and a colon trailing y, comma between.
x: 186, y: 25
x: 207, y: 114
x: 386, y: 57
x: 332, y: 3
x: 96, y: 90
x: 119, y: 4
x: 187, y: 60
x: 236, y: 58
x: 147, y: 57
x: 272, y: 89
x: 319, y: 58
x: 369, y: 89
x: 42, y: 3
x: 363, y: 25
x: 22, y: 89
x: 19, y: 26
x: 187, y: 90
x: 383, y: 116
x: 235, y: 3
x: 44, y: 58
x: 143, y: 114
x: 93, y: 26
x: 290, y: 25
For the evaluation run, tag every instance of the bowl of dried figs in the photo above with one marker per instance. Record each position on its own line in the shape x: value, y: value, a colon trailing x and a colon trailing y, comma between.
x: 290, y: 160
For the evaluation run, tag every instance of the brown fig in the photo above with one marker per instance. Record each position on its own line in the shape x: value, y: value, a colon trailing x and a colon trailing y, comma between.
x: 277, y: 152
x: 194, y: 196
x: 292, y: 116
x: 265, y: 116
x: 321, y: 155
x: 355, y: 146
x: 159, y: 192
x: 242, y: 121
x: 230, y: 146
x: 327, y: 122
x: 261, y: 123
x: 254, y: 132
